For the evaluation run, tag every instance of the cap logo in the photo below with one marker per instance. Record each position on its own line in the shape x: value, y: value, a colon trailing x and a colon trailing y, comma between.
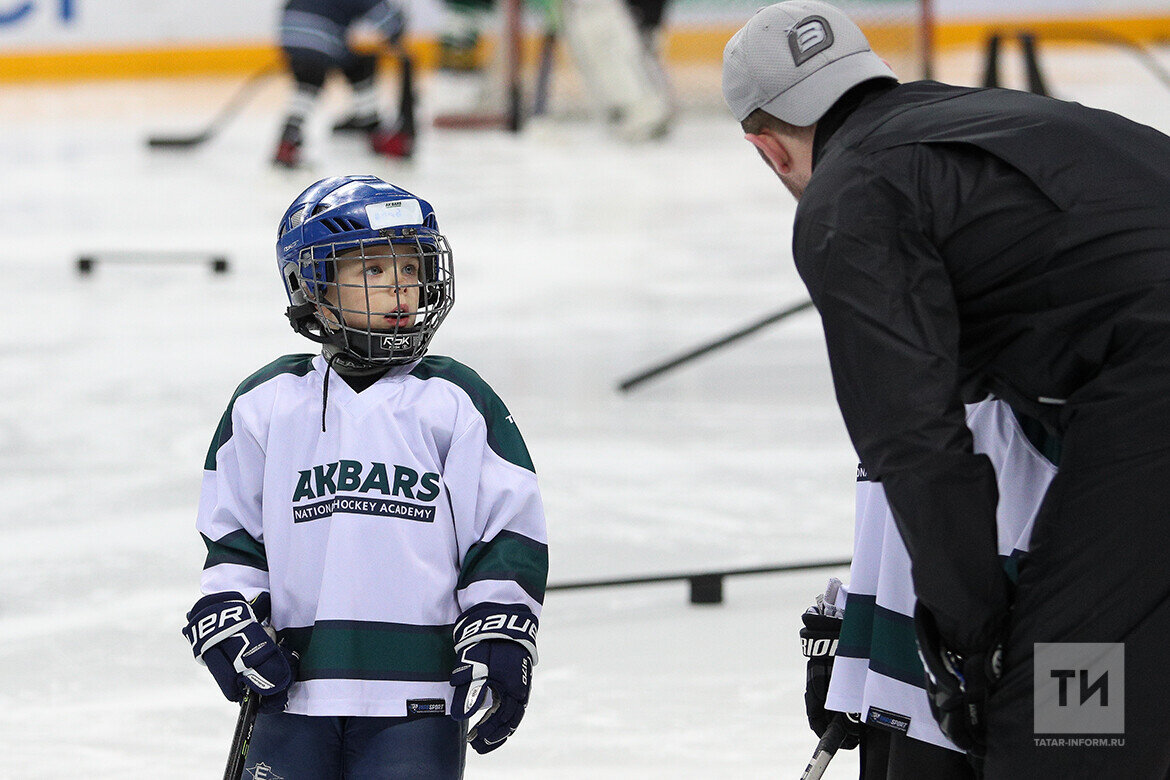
x: 809, y: 37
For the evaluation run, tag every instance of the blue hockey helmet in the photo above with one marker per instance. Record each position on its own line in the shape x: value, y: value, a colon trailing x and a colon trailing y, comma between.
x: 366, y: 270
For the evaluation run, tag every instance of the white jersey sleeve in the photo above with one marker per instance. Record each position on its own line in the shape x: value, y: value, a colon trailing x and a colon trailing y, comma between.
x: 498, y: 514
x: 230, y: 518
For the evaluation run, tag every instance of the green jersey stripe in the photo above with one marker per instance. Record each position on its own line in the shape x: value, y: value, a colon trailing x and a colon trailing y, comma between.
x: 894, y: 652
x: 883, y: 636
x: 508, y: 556
x: 502, y: 434
x: 289, y: 364
x: 237, y: 547
x: 1034, y: 431
x: 857, y: 628
x: 886, y: 637
x: 367, y: 650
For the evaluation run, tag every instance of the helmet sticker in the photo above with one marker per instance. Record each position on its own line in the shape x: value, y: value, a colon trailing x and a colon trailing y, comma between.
x: 394, y: 213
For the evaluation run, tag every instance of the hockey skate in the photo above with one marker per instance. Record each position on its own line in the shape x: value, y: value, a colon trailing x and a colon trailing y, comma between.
x: 354, y: 124
x: 288, y: 148
x: 392, y: 141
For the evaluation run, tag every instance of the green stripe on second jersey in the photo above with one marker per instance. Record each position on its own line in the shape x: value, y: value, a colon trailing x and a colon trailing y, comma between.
x: 289, y: 364
x: 883, y: 636
x: 887, y: 638
x: 857, y: 628
x: 508, y: 556
x: 368, y: 650
x: 237, y: 547
x: 502, y: 434
x: 894, y: 651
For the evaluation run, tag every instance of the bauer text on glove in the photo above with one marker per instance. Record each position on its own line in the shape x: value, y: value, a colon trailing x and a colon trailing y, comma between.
x: 495, y: 646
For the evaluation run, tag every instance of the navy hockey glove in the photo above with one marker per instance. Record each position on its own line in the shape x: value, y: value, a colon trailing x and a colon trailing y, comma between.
x: 496, y: 647
x: 230, y: 641
x: 818, y: 642
x: 957, y: 686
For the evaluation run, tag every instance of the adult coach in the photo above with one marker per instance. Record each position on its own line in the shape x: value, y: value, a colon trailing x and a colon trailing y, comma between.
x: 959, y: 242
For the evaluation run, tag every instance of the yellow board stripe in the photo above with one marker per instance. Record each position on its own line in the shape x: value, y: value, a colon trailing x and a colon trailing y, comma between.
x: 682, y: 45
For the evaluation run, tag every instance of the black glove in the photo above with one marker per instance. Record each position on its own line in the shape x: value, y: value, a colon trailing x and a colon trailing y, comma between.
x: 957, y: 686
x: 496, y: 647
x: 228, y: 637
x: 818, y: 642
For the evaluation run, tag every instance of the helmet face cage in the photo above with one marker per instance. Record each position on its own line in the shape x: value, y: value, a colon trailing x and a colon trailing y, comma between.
x: 379, y: 300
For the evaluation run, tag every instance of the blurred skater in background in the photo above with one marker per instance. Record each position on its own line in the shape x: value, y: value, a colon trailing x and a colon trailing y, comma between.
x: 614, y: 44
x: 314, y: 36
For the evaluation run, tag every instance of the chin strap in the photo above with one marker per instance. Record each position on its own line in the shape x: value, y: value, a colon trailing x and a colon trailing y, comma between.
x: 299, y: 316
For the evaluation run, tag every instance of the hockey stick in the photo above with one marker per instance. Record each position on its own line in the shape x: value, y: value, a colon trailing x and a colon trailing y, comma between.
x: 627, y: 384
x: 515, y: 23
x: 827, y: 748
x: 226, y: 114
x: 406, y: 98
x: 242, y: 739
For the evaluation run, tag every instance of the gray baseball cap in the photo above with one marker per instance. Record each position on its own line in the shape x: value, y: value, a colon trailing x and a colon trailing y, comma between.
x: 794, y: 59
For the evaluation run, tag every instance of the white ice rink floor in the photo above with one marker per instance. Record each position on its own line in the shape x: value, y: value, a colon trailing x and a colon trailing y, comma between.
x: 578, y: 262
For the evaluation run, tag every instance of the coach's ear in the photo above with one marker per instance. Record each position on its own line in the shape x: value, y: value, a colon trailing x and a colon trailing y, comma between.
x: 773, y: 149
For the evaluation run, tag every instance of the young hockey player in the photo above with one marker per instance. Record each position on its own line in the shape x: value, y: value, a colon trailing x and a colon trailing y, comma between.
x: 314, y: 39
x: 376, y: 543
x: 875, y: 669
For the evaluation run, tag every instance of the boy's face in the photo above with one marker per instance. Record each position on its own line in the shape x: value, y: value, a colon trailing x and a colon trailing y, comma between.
x: 377, y: 289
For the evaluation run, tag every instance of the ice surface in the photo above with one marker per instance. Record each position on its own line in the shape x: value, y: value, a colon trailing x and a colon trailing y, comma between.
x: 579, y: 261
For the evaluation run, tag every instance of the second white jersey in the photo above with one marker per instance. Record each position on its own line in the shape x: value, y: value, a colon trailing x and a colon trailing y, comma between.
x: 877, y: 671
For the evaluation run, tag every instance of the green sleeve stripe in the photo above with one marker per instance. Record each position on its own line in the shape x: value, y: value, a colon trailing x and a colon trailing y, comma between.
x: 883, y: 636
x: 857, y: 628
x: 237, y: 547
x: 368, y: 650
x: 502, y: 434
x: 894, y: 652
x: 886, y: 637
x: 508, y: 556
x: 289, y: 364
x: 1011, y: 564
x: 1046, y: 443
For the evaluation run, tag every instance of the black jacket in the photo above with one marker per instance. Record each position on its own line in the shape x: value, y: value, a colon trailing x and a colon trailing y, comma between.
x: 960, y: 242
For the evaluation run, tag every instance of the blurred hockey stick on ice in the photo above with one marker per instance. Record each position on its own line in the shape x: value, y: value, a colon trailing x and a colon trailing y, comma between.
x: 242, y: 739
x: 826, y: 749
x: 628, y: 384
x: 226, y: 114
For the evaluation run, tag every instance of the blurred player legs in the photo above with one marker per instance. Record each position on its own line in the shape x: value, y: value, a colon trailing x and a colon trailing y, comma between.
x: 313, y: 37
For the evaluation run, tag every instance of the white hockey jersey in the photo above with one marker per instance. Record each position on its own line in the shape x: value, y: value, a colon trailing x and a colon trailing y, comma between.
x: 417, y: 501
x: 877, y: 671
